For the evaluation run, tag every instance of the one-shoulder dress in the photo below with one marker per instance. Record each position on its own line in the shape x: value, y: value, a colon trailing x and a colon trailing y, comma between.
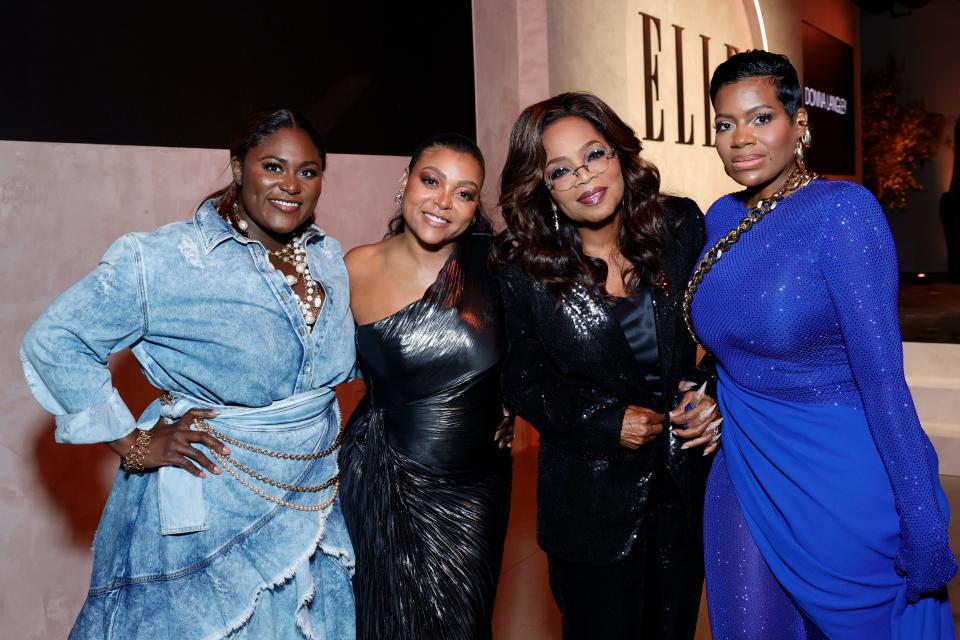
x: 825, y: 501
x: 425, y: 489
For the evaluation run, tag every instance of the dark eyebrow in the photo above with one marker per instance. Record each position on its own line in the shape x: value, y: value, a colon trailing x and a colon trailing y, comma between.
x: 434, y: 169
x: 588, y: 144
x: 283, y: 160
x: 444, y: 176
x: 756, y: 108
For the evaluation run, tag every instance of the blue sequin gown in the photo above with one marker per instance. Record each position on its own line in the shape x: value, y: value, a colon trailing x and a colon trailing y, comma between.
x: 824, y: 513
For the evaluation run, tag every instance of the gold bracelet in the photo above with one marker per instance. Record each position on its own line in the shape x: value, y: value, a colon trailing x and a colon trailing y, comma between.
x: 133, y: 461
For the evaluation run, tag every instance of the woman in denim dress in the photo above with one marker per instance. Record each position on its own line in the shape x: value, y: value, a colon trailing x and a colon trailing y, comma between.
x: 223, y: 520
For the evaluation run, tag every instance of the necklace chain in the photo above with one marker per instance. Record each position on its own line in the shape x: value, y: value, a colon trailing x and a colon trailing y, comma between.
x: 294, y: 254
x: 797, y: 179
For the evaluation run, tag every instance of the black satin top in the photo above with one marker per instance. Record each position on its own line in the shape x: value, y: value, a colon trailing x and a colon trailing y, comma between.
x: 434, y: 366
x: 636, y: 317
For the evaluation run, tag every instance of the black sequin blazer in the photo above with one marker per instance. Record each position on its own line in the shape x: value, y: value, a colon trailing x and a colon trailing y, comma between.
x: 571, y: 373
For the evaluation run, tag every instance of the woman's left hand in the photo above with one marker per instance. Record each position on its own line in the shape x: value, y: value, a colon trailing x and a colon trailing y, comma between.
x: 697, y: 421
x: 505, y: 432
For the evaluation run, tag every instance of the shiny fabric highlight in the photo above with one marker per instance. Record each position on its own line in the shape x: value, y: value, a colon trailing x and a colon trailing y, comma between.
x: 425, y: 489
x: 802, y: 316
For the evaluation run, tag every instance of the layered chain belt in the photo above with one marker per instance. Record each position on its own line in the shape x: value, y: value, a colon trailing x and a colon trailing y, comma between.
x: 235, y: 467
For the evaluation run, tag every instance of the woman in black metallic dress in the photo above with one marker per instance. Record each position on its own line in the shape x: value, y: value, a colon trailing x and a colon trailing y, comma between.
x: 424, y: 484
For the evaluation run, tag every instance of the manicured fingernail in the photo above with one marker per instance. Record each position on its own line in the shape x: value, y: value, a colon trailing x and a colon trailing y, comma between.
x: 701, y: 392
x: 226, y: 451
x: 203, y: 475
x: 686, y: 445
x: 706, y: 412
x: 216, y: 469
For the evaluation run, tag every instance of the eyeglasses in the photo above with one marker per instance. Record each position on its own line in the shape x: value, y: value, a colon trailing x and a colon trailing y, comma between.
x: 564, y: 178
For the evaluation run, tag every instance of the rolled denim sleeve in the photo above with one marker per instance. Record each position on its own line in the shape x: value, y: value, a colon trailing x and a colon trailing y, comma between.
x: 64, y: 354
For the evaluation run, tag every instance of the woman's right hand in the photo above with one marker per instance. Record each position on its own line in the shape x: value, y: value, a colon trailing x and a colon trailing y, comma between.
x: 171, y: 444
x: 640, y: 426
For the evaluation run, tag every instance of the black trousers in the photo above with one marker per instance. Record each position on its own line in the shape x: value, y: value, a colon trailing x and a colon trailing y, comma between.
x: 652, y: 594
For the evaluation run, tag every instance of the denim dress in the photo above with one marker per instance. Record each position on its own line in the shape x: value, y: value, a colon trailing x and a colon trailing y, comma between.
x: 213, y: 324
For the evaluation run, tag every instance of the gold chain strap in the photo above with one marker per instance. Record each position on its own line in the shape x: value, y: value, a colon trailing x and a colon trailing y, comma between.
x: 280, y: 501
x: 228, y: 463
x: 202, y: 425
x: 797, y: 179
x: 276, y: 483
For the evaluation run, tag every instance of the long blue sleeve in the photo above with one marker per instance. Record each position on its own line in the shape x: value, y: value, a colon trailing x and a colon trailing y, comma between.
x: 858, y: 261
x: 64, y: 354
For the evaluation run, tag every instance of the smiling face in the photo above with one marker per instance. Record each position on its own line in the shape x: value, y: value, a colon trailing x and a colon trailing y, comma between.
x: 570, y: 143
x: 280, y: 181
x: 755, y: 136
x: 441, y: 195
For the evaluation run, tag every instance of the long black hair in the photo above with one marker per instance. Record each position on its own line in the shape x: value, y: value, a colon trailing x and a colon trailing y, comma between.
x: 557, y: 258
x: 459, y: 144
x: 258, y: 128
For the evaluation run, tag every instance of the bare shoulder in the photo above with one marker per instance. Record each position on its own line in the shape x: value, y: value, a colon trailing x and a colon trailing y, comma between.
x: 364, y: 260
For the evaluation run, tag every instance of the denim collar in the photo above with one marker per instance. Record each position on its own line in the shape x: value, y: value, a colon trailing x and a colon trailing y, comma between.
x: 213, y: 230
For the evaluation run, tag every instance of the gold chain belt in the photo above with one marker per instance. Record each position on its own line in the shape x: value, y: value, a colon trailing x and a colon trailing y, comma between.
x: 231, y: 465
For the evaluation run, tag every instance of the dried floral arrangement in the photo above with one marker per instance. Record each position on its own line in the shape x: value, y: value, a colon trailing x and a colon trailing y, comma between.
x: 898, y: 138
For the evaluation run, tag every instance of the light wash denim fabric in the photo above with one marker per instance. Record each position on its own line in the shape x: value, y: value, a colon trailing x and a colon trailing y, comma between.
x: 210, y: 320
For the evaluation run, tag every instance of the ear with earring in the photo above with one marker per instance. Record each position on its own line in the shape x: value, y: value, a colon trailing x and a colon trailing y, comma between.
x: 403, y: 183
x: 804, y: 142
x: 237, y: 221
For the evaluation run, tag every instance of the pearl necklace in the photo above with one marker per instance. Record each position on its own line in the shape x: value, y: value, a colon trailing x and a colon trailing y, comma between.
x: 295, y: 255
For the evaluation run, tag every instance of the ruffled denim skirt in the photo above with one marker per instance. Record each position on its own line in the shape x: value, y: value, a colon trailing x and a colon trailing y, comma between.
x: 176, y: 557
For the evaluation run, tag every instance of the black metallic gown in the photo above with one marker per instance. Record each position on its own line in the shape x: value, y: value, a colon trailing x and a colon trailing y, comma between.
x: 425, y: 489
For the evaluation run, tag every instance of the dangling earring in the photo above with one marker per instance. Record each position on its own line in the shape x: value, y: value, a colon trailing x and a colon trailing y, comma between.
x: 803, y: 143
x: 239, y: 222
x: 556, y: 217
x: 399, y: 197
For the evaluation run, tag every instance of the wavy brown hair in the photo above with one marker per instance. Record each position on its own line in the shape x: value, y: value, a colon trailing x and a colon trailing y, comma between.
x: 557, y: 259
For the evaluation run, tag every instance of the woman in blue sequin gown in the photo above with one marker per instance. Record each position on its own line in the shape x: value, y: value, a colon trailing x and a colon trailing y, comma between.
x: 824, y: 513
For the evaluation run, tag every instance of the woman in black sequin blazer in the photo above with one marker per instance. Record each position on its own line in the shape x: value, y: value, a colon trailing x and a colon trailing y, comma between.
x: 592, y: 265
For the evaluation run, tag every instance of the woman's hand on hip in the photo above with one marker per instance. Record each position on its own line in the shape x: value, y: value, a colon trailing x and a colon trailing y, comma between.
x: 640, y: 426
x: 697, y: 420
x: 172, y: 444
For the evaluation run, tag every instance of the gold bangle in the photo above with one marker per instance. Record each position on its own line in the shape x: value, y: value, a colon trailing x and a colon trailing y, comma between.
x: 133, y: 461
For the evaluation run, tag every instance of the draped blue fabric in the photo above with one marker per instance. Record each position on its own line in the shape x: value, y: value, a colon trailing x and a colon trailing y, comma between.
x: 834, y: 480
x: 822, y: 519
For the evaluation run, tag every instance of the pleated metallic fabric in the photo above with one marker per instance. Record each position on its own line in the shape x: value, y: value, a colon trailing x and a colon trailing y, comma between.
x: 425, y: 489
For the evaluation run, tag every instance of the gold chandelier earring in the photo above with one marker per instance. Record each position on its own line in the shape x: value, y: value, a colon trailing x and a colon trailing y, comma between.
x: 804, y: 142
